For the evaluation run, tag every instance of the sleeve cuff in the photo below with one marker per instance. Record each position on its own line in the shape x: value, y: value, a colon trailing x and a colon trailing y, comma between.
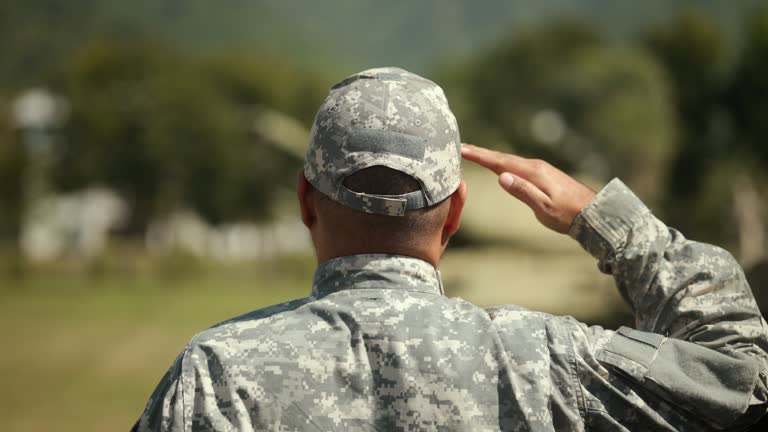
x: 604, y: 224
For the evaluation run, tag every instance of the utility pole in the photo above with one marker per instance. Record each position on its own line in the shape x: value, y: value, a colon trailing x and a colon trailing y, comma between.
x: 36, y: 115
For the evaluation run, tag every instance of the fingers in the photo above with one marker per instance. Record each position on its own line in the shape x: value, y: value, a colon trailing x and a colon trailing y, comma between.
x: 488, y: 158
x: 498, y: 162
x: 525, y: 191
x: 554, y: 196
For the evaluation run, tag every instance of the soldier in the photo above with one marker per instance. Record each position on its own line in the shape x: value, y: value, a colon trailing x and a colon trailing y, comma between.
x: 378, y: 346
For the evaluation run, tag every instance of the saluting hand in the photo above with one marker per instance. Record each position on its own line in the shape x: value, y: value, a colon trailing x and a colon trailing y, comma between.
x: 554, y: 196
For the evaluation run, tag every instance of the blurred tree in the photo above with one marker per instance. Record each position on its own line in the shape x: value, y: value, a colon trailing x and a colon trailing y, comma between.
x: 719, y: 165
x: 562, y: 94
x: 167, y: 133
x: 749, y: 86
x: 37, y: 36
x: 745, y: 97
x: 691, y: 49
x: 11, y: 174
x: 249, y: 82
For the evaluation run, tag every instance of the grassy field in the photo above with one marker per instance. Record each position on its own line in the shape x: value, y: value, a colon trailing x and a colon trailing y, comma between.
x: 83, y: 353
x: 84, y: 347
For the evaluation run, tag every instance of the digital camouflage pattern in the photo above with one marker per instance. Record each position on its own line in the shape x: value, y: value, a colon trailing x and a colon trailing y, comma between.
x: 387, y: 117
x: 377, y: 346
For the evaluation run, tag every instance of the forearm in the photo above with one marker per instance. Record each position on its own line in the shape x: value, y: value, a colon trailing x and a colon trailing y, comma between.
x: 705, y: 350
x: 698, y: 359
x: 676, y: 287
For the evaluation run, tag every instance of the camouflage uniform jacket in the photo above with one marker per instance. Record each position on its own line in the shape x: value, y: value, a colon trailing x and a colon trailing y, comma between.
x: 377, y: 346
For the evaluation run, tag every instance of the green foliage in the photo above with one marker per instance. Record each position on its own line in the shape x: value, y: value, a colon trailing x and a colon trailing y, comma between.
x: 11, y: 174
x: 749, y: 88
x: 721, y: 119
x: 610, y: 106
x: 692, y: 50
x: 168, y: 132
x: 267, y: 80
x: 37, y: 37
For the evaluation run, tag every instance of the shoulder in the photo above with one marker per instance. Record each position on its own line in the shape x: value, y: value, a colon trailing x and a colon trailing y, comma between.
x: 259, y: 318
x: 519, y: 316
x: 520, y: 326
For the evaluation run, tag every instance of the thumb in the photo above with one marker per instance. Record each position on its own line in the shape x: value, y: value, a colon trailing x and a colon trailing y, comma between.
x: 523, y: 190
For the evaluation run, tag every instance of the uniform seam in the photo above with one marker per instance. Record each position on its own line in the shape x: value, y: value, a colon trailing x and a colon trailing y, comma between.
x: 581, y: 401
x: 547, y: 337
x: 351, y: 289
x: 671, y: 302
x: 605, y: 357
x: 182, y: 389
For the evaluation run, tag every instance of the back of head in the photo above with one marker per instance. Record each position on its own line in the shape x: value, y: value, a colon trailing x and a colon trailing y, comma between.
x: 384, y: 155
x: 377, y: 233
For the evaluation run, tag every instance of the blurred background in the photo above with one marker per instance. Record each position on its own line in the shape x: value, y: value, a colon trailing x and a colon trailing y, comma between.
x: 148, y: 153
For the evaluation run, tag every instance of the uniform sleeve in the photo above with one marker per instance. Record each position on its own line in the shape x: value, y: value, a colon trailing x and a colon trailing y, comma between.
x: 165, y: 410
x: 697, y: 358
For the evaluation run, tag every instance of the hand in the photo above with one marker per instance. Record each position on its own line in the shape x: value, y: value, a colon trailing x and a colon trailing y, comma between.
x: 555, y: 197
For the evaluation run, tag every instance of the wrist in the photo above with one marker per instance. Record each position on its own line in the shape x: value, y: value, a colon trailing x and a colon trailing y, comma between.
x: 603, y: 225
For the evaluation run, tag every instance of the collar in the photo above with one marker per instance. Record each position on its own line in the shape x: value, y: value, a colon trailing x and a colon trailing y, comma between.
x: 378, y: 271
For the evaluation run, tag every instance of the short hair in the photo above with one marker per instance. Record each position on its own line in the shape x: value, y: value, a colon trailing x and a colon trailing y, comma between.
x: 381, y: 180
x: 376, y: 229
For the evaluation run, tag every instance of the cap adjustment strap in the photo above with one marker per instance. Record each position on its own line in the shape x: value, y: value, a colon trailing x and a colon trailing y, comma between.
x: 390, y: 205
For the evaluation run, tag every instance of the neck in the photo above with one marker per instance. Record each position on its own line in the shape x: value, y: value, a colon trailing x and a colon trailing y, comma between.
x: 376, y: 271
x: 326, y: 254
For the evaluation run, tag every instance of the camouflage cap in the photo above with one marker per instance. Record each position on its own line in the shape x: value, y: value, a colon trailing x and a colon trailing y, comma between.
x: 385, y: 117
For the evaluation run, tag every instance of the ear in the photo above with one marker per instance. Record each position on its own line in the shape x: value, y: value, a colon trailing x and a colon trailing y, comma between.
x: 453, y: 221
x: 305, y: 194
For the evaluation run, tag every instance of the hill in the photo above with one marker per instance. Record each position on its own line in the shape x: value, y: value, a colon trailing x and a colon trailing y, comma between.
x: 332, y: 35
